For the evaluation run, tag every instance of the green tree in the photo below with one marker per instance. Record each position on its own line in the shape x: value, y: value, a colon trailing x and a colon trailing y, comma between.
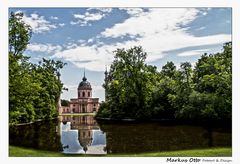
x: 137, y: 90
x: 163, y: 91
x: 129, y: 83
x: 34, y: 89
x: 169, y: 69
x: 20, y: 82
x: 19, y: 34
x: 211, y: 99
x: 186, y: 70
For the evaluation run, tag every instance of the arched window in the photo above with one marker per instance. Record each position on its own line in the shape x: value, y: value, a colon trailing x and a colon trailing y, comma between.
x: 83, y: 94
x: 88, y: 94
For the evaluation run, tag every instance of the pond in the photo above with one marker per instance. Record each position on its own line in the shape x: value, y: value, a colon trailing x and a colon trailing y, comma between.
x: 83, y: 134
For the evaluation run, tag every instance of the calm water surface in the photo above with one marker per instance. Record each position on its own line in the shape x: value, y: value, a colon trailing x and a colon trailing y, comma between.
x: 83, y: 134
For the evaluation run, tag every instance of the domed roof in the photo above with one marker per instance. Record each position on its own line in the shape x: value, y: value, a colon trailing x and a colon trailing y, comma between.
x: 84, y: 84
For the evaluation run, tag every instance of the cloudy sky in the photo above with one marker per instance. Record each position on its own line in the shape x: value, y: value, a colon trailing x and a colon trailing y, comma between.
x: 86, y: 37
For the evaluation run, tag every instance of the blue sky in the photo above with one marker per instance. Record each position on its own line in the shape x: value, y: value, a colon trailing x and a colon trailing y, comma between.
x: 86, y: 37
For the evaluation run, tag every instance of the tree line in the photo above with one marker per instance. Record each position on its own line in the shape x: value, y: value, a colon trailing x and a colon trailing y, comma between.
x: 137, y: 90
x: 34, y: 89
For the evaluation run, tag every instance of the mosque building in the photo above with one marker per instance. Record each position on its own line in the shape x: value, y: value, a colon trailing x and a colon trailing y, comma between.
x: 85, y: 103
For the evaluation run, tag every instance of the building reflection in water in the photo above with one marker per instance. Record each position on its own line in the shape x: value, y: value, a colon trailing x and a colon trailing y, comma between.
x: 81, y: 134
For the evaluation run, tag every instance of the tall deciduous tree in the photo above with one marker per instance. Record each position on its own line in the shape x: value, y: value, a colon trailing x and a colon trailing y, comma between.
x: 19, y: 34
x: 129, y: 83
x: 34, y: 89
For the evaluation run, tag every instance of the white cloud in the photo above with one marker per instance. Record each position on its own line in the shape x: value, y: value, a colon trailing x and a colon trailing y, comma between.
x: 104, y: 10
x: 201, y: 28
x: 89, y: 57
x: 159, y: 30
x: 73, y: 23
x: 90, y: 40
x: 18, y: 11
x: 70, y: 45
x: 54, y: 18
x: 47, y: 48
x: 38, y: 23
x: 163, y: 20
x: 204, y: 13
x: 61, y: 24
x: 133, y: 11
x: 193, y: 52
x: 81, y: 41
x: 85, y: 19
x: 92, y: 15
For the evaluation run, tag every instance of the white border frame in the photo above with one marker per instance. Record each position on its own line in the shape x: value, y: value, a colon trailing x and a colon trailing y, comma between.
x: 234, y: 4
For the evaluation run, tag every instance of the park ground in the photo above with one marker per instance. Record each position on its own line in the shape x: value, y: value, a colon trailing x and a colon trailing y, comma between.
x: 15, y: 151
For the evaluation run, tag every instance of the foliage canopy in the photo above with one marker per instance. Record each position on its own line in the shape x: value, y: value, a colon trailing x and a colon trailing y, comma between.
x: 34, y: 89
x: 137, y: 90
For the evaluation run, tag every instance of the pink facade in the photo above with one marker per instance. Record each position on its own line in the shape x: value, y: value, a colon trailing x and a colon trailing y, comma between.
x: 64, y: 109
x: 84, y: 103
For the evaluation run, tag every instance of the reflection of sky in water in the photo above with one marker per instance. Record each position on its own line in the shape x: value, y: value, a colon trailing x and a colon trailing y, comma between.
x: 66, y: 126
x: 98, y: 143
x: 99, y: 138
x: 70, y: 141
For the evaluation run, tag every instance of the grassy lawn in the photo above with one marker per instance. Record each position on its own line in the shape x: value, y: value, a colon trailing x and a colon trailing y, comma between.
x: 77, y: 114
x: 211, y: 152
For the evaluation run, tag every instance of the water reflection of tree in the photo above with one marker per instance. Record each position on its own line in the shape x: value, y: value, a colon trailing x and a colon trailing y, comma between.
x: 209, y: 136
x: 40, y: 135
x: 136, y: 138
